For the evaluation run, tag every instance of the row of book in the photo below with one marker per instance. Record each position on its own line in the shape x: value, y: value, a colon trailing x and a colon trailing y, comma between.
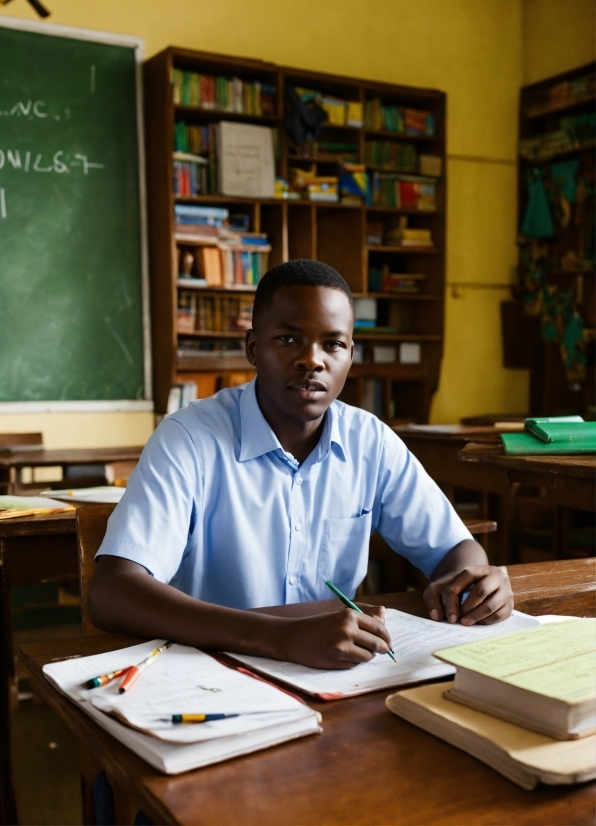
x: 193, y: 175
x: 225, y: 94
x: 560, y: 95
x: 575, y: 132
x: 227, y: 266
x: 401, y: 156
x: 189, y: 137
x: 402, y: 120
x: 404, y: 191
x: 213, y: 314
x: 382, y: 280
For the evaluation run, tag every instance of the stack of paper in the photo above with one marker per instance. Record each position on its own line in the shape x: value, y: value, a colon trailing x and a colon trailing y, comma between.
x: 183, y: 680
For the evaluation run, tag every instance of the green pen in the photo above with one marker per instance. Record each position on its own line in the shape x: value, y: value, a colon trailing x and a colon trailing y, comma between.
x: 349, y: 604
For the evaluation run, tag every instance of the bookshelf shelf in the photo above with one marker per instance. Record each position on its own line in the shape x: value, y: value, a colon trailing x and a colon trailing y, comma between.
x: 555, y: 112
x: 237, y: 288
x: 210, y: 334
x: 395, y: 337
x: 407, y: 250
x: 194, y: 113
x: 397, y: 296
x: 400, y: 136
x: 332, y: 232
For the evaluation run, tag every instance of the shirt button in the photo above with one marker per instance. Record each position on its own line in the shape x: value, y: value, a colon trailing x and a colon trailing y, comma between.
x: 292, y: 580
x: 298, y: 526
x: 298, y: 480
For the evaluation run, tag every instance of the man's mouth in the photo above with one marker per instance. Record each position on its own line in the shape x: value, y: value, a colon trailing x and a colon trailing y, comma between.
x: 307, y: 389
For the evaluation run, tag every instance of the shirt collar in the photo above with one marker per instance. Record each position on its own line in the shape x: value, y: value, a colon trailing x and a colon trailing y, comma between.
x: 257, y: 437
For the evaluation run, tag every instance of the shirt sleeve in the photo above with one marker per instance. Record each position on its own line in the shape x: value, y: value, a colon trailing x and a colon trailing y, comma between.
x: 152, y: 522
x: 415, y: 517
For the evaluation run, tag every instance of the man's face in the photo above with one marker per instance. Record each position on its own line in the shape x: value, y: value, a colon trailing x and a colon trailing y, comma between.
x: 303, y: 350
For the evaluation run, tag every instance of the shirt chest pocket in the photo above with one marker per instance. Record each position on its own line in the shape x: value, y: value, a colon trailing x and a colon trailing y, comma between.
x: 343, y: 558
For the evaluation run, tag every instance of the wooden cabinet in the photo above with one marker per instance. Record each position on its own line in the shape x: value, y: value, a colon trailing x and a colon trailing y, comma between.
x: 363, y: 242
x: 556, y: 244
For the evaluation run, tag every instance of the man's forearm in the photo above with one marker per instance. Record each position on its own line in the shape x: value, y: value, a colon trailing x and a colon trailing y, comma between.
x: 466, y: 553
x: 138, y: 604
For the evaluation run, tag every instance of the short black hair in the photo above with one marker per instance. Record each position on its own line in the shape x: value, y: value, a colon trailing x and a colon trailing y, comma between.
x: 302, y: 272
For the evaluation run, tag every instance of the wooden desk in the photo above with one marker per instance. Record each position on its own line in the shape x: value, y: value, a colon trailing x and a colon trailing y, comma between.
x: 438, y: 452
x: 367, y: 766
x: 33, y: 550
x: 569, y: 481
x: 11, y: 464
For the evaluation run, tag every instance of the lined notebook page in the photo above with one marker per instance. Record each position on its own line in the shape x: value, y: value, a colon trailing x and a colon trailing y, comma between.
x: 414, y: 639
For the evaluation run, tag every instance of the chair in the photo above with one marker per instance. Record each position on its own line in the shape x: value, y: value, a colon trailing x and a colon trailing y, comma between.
x: 92, y: 522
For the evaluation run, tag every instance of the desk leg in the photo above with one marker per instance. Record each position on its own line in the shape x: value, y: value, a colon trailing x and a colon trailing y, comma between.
x: 8, y: 808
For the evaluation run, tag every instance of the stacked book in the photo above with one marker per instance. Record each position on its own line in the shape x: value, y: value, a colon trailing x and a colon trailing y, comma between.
x: 525, y: 703
x: 551, y: 436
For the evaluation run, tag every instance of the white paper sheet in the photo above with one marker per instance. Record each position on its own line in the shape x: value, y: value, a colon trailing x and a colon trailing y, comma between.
x: 414, y: 639
x: 182, y: 680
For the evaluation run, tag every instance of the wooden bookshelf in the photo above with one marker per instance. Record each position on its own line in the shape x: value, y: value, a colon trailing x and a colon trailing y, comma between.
x: 546, y: 140
x: 331, y: 232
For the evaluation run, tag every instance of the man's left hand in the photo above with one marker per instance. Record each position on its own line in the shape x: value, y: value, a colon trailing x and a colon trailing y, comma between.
x: 490, y: 596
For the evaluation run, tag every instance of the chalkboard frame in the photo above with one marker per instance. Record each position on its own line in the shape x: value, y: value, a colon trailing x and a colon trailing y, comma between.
x: 137, y: 44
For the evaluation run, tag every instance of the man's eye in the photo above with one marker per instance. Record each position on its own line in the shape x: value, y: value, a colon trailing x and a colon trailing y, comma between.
x: 335, y: 345
x: 286, y: 339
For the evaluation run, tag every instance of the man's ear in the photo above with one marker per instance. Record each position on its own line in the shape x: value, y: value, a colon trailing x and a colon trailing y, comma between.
x: 251, y: 344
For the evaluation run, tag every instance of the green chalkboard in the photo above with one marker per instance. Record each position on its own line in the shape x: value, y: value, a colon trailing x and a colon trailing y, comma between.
x: 71, y: 274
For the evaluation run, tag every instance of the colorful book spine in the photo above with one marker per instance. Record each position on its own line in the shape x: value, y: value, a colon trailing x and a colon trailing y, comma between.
x: 223, y: 94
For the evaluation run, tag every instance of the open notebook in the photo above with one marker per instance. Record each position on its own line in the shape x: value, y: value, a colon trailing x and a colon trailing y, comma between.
x: 183, y: 680
x: 414, y: 639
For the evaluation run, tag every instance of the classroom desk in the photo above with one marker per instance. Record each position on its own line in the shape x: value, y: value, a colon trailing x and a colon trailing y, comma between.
x: 438, y: 451
x: 33, y: 550
x: 12, y: 463
x: 568, y: 481
x: 368, y: 766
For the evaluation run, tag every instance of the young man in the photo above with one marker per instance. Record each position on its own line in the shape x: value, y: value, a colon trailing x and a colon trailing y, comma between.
x: 257, y: 495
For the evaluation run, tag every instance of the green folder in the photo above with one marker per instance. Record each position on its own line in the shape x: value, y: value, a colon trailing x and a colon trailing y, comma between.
x: 520, y: 444
x: 562, y: 429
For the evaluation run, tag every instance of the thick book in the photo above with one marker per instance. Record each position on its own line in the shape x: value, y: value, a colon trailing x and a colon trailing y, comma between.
x: 562, y: 430
x: 541, y: 678
x: 413, y: 638
x: 523, y: 756
x: 183, y: 680
x: 525, y: 444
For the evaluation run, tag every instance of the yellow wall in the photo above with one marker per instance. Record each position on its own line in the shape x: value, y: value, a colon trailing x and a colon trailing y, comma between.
x: 557, y: 35
x: 471, y: 49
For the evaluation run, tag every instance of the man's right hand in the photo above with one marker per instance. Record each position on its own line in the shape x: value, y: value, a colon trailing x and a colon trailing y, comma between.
x: 341, y: 639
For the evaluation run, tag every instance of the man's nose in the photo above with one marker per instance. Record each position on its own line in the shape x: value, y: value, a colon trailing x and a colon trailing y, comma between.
x: 310, y: 358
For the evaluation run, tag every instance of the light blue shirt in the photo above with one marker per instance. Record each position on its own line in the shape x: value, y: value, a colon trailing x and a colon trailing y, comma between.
x: 220, y: 511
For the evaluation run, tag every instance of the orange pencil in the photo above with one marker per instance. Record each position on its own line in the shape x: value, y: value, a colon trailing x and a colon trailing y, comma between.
x: 134, y: 671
